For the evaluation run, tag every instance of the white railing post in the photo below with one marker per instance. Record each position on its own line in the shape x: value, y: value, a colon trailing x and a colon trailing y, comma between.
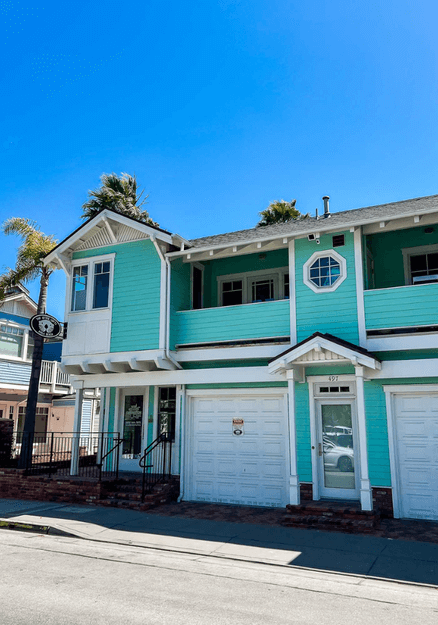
x: 53, y: 376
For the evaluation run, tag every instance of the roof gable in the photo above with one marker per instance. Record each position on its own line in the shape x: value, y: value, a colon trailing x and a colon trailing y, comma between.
x: 106, y: 228
x: 322, y: 349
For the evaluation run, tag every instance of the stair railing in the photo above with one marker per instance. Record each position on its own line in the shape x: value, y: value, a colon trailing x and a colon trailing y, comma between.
x: 156, y: 462
x: 111, y: 456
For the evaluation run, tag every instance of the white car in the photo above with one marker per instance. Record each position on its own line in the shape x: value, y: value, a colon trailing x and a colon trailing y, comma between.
x: 341, y: 458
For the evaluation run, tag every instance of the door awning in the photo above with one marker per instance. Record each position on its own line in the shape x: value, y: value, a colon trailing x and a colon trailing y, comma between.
x: 320, y: 349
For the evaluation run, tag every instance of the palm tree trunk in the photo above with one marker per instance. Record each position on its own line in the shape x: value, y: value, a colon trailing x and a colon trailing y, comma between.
x: 25, y: 460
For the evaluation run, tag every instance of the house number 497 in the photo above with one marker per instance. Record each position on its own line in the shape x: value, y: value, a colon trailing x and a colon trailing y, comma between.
x: 333, y: 378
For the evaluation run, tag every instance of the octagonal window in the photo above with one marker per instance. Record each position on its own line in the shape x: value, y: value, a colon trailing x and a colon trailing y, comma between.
x: 324, y: 271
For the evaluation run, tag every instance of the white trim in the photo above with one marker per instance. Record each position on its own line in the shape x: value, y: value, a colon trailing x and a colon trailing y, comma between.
x: 90, y: 262
x: 276, y: 273
x: 358, y: 265
x: 292, y: 293
x: 410, y: 388
x: 100, y: 218
x: 326, y: 378
x: 198, y: 392
x: 321, y: 254
x: 393, y: 462
x: 319, y: 342
x: 229, y: 352
x: 366, y: 496
x: 294, y: 481
x: 224, y: 375
x: 402, y: 343
x: 313, y: 443
x: 415, y: 251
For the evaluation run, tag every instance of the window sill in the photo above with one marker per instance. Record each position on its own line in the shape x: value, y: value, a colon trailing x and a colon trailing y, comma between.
x: 88, y: 312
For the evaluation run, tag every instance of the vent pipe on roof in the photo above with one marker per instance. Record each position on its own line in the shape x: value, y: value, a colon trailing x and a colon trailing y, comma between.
x: 326, y: 206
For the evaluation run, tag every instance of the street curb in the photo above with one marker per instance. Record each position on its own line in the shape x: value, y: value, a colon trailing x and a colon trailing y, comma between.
x: 25, y: 527
x: 54, y: 531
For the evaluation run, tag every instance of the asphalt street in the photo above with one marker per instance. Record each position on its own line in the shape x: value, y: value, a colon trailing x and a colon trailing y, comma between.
x: 54, y: 580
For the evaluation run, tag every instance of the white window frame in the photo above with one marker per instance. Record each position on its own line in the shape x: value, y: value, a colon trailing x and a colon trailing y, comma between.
x: 321, y: 254
x: 14, y: 324
x: 201, y: 268
x: 415, y: 251
x: 247, y: 279
x: 90, y: 262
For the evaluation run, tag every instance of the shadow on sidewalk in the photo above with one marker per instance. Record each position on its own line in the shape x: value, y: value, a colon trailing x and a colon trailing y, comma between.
x: 372, y: 556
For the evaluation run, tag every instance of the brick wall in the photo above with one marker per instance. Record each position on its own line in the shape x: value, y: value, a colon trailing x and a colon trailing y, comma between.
x: 14, y: 484
x: 382, y: 499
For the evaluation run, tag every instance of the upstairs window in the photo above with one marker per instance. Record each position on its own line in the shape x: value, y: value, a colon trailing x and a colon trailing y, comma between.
x: 263, y: 289
x: 79, y: 288
x: 91, y: 284
x: 232, y: 293
x: 325, y: 271
x: 11, y: 340
x: 424, y: 268
x: 101, y: 285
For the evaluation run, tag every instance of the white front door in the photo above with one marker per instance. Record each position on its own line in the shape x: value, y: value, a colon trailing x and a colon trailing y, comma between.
x: 133, y: 427
x: 416, y: 444
x: 338, y: 463
x: 238, y: 450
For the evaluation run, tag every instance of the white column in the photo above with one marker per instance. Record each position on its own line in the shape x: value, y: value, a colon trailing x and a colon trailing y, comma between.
x: 366, y: 497
x: 358, y: 266
x: 74, y: 464
x: 294, y: 483
x: 53, y: 379
x: 292, y: 295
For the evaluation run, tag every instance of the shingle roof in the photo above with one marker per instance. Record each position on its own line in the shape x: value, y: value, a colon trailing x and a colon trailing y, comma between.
x: 343, y: 219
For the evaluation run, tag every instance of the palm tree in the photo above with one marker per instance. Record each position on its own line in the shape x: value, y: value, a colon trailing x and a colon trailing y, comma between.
x: 280, y: 211
x: 120, y: 194
x: 29, y: 266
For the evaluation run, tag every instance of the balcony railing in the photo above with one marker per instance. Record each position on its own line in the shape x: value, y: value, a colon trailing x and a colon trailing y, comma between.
x: 403, y: 306
x: 231, y: 323
x: 52, y: 375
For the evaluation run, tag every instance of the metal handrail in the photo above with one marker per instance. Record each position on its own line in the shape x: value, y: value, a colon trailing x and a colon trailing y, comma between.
x: 161, y: 459
x: 110, y: 451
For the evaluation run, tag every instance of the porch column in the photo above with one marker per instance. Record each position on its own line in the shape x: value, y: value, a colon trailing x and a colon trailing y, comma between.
x: 74, y: 463
x: 366, y: 497
x: 294, y: 483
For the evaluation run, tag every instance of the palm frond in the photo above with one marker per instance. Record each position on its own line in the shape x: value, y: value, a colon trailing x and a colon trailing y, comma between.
x: 120, y: 194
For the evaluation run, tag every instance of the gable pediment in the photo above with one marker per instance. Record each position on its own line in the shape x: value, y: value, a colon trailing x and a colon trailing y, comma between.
x: 323, y: 348
x: 101, y: 237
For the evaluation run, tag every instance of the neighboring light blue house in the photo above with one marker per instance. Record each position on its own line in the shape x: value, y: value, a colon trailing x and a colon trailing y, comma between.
x: 298, y: 360
x: 55, y: 407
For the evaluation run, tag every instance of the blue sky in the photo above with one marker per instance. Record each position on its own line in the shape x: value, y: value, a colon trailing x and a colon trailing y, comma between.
x: 219, y: 107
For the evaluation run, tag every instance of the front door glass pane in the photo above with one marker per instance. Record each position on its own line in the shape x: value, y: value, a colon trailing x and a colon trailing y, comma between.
x: 337, y: 446
x: 133, y: 414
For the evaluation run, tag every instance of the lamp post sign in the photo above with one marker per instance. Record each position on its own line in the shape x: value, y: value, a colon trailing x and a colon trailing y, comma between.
x: 46, y: 326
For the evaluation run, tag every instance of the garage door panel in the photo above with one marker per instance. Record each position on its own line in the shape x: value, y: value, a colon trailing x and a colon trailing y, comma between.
x: 417, y: 454
x: 249, y: 469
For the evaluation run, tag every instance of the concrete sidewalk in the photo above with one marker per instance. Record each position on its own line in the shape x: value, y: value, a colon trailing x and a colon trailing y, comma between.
x: 368, y: 556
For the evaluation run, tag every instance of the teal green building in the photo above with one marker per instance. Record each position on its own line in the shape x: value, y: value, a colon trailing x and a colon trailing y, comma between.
x: 291, y: 362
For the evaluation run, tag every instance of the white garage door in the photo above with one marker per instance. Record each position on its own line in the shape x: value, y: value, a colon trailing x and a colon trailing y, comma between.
x: 247, y: 469
x: 417, y: 451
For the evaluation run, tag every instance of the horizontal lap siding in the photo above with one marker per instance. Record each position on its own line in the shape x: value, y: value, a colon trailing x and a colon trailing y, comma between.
x: 405, y: 306
x: 136, y: 297
x: 14, y: 373
x: 302, y: 420
x: 377, y: 435
x: 335, y: 312
x: 229, y: 323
